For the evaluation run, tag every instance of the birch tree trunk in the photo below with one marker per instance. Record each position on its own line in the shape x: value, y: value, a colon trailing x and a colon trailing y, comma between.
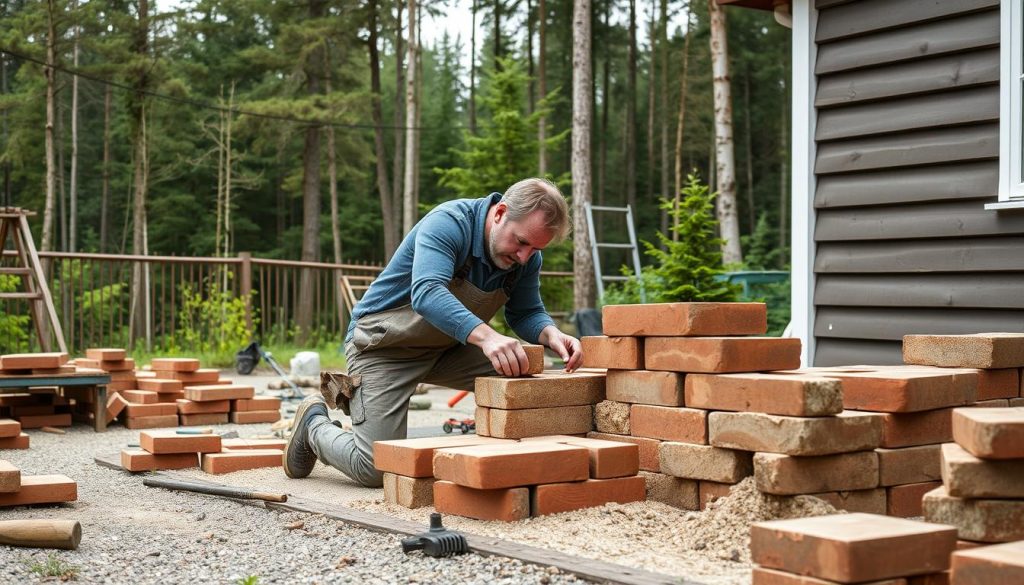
x: 663, y: 108
x: 542, y: 86
x: 725, y: 165
x: 749, y: 151
x: 73, y: 186
x: 651, y: 84
x: 51, y: 162
x: 582, y: 114
x: 383, y: 181
x: 332, y: 164
x: 409, y: 191
x: 139, y: 308
x: 606, y: 98
x: 630, y: 133
x: 532, y: 101
x: 398, y: 165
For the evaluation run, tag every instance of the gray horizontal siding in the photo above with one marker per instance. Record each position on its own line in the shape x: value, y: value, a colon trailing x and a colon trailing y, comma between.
x: 909, y: 185
x: 973, y: 31
x: 850, y: 352
x: 999, y: 254
x: 923, y: 147
x: 907, y: 134
x: 868, y: 16
x: 939, y: 73
x: 966, y: 291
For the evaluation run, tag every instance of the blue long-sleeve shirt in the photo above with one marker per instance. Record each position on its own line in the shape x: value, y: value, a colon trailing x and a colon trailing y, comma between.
x: 428, y: 258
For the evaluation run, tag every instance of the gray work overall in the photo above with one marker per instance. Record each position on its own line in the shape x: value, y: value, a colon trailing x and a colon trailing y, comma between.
x: 391, y: 352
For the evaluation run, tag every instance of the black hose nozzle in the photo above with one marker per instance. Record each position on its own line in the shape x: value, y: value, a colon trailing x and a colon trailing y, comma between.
x: 438, y: 541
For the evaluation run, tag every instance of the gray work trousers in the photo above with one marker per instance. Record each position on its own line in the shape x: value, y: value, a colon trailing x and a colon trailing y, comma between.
x: 380, y: 404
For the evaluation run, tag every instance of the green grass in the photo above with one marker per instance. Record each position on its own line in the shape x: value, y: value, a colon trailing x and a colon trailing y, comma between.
x: 331, y: 356
x: 53, y: 566
x: 250, y: 580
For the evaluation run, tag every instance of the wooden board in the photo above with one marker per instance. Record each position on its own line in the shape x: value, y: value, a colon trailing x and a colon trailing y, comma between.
x: 948, y: 182
x: 867, y: 16
x: 1000, y: 254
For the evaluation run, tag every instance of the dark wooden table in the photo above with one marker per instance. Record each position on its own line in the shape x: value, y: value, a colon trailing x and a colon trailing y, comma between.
x: 97, y: 382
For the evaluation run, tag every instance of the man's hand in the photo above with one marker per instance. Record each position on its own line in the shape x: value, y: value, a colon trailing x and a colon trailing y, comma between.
x: 506, y: 354
x: 566, y: 346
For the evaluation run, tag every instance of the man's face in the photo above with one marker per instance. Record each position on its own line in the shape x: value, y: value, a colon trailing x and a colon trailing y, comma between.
x: 513, y: 242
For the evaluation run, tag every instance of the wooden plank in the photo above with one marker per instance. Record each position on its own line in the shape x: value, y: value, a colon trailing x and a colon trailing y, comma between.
x: 946, y: 255
x: 883, y: 323
x: 921, y: 147
x: 909, y: 185
x: 595, y: 570
x: 979, y: 104
x: 966, y: 291
x: 851, y: 352
x: 909, y: 77
x: 965, y: 33
x: 898, y: 222
x: 867, y: 16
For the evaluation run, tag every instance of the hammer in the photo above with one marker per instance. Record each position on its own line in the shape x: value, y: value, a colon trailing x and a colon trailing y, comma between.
x: 65, y: 534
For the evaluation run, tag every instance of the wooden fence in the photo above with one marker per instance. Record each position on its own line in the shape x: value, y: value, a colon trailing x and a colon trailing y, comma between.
x: 186, y: 300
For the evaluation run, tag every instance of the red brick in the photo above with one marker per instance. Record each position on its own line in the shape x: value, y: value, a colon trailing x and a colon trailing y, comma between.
x: 535, y: 357
x: 206, y: 376
x: 685, y: 319
x: 612, y: 417
x: 54, y: 371
x: 619, y: 353
x: 415, y: 457
x: 909, y: 429
x: 505, y: 505
x: 105, y: 354
x: 711, y: 491
x: 864, y: 501
x: 208, y: 418
x: 121, y: 386
x: 705, y: 463
x: 126, y: 365
x: 827, y: 435
x: 511, y: 465
x: 140, y: 396
x: 905, y: 500
x: 763, y: 576
x: 979, y: 350
x: 136, y: 460
x: 245, y: 417
x: 126, y: 376
x: 784, y: 475
x: 232, y: 461
x: 721, y: 354
x: 608, y: 459
x: 163, y: 442
x: 909, y: 465
x: 990, y: 433
x: 10, y: 477
x: 175, y: 364
x: 203, y: 393
x: 45, y: 420
x: 19, y: 442
x: 236, y: 444
x: 408, y: 492
x: 9, y: 428
x: 905, y: 389
x: 151, y: 422
x: 147, y: 374
x: 783, y: 394
x: 42, y: 489
x: 979, y: 520
x: 991, y: 565
x: 159, y: 385
x: 155, y: 409
x: 672, y: 491
x: 966, y: 476
x: 553, y: 498
x: 535, y: 422
x: 648, y: 448
x: 28, y: 361
x: 852, y: 548
x: 645, y: 387
x: 176, y: 396
x: 1004, y: 383
x: 685, y: 425
x: 211, y: 406
x: 257, y: 403
x: 543, y: 391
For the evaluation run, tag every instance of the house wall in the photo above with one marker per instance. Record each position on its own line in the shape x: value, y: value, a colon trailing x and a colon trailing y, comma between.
x: 907, y: 148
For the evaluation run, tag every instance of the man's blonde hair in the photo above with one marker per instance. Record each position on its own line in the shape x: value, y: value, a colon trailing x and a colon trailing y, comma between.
x: 537, y: 194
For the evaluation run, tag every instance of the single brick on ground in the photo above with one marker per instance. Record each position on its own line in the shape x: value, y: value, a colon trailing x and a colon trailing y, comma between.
x: 209, y: 418
x: 41, y: 489
x: 255, y: 416
x: 151, y: 422
x: 161, y: 442
x: 241, y: 460
x: 135, y: 460
x: 852, y: 548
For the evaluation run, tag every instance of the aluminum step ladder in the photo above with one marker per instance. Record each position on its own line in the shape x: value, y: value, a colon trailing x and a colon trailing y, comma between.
x: 595, y: 248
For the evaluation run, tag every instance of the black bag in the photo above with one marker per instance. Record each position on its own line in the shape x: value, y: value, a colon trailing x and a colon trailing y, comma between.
x: 246, y: 360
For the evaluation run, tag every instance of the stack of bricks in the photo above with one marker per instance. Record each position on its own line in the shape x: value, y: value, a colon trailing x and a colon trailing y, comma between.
x: 258, y: 409
x: 989, y: 565
x: 36, y: 407
x: 11, y: 436
x: 22, y: 490
x: 114, y: 362
x: 165, y: 450
x: 201, y: 397
x: 654, y: 354
x: 851, y: 548
x: 982, y: 491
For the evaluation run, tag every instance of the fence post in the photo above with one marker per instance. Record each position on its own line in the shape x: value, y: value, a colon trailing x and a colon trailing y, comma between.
x: 245, y: 286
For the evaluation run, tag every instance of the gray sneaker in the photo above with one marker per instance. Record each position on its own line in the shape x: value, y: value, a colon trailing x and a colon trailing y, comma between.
x: 299, y: 458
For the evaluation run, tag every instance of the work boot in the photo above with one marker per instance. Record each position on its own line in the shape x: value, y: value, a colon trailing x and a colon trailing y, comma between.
x: 299, y: 458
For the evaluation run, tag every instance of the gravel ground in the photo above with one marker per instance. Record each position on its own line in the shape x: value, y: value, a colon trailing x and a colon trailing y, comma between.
x: 135, y: 534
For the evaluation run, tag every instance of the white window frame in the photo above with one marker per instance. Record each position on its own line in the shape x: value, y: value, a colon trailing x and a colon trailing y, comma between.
x: 1011, y: 69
